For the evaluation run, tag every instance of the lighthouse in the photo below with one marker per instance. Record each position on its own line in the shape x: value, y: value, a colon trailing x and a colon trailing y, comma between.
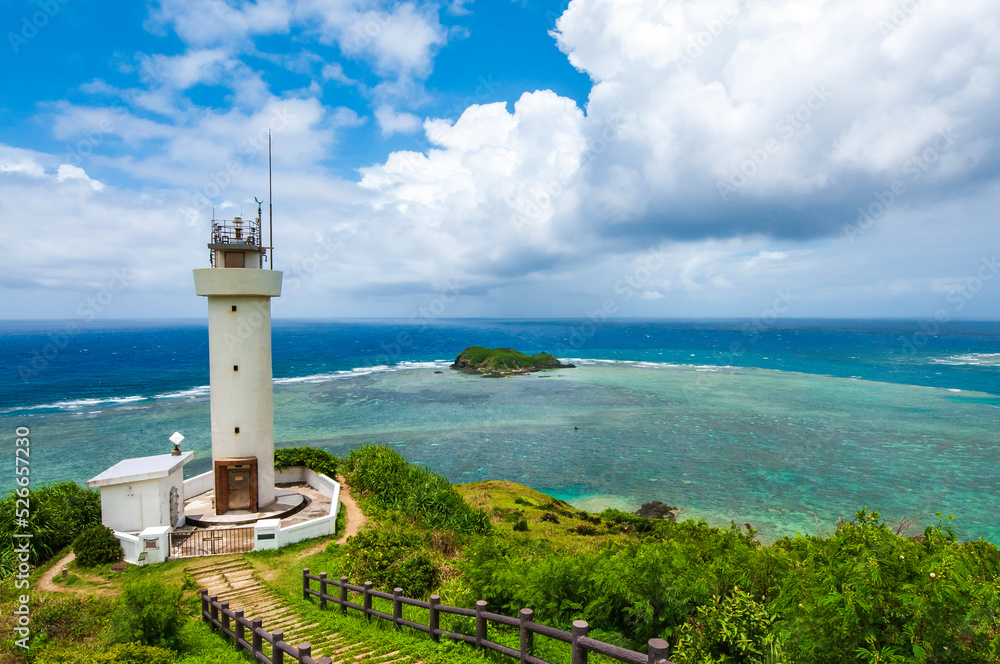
x: 239, y: 289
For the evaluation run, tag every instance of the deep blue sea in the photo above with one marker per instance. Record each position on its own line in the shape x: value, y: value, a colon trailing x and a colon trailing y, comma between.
x: 788, y: 425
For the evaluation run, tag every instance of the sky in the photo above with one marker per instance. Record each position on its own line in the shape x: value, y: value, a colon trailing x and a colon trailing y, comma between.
x: 506, y: 158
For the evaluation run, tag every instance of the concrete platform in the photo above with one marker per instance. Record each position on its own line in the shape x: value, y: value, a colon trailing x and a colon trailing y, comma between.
x: 200, y: 510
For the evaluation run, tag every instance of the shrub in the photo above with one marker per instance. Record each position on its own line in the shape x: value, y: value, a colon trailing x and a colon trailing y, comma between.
x: 623, y: 522
x: 390, y: 559
x: 417, y: 575
x: 385, y: 478
x: 148, y: 613
x: 133, y: 653
x: 317, y: 460
x: 521, y: 526
x: 97, y: 545
x: 68, y: 616
x: 550, y: 517
x: 59, y: 512
x: 732, y: 630
x: 584, y: 529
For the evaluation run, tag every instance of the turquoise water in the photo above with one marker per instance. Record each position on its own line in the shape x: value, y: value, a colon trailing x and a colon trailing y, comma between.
x: 782, y: 450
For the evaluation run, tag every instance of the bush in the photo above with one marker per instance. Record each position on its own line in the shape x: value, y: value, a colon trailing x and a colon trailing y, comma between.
x: 390, y: 559
x: 584, y: 529
x: 97, y: 545
x: 732, y: 630
x: 550, y: 517
x: 317, y: 460
x: 133, y: 653
x: 59, y: 512
x: 148, y: 613
x: 521, y: 526
x: 385, y: 478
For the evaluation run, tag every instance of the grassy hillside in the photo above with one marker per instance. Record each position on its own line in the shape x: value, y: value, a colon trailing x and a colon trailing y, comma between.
x: 862, y: 594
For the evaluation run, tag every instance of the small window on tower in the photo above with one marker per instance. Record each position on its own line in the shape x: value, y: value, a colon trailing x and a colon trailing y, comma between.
x: 236, y: 367
x: 235, y: 259
x: 234, y: 307
x: 236, y: 430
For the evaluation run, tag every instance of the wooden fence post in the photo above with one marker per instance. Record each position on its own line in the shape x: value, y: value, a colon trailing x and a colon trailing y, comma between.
x: 480, y: 623
x: 240, y: 630
x: 305, y: 583
x: 204, y: 607
x: 579, y: 653
x: 526, y: 637
x: 257, y: 641
x: 434, y: 619
x: 368, y: 600
x: 214, y: 611
x: 343, y: 595
x: 397, y: 606
x: 277, y: 654
x: 322, y: 590
x: 305, y: 650
x: 659, y: 650
x: 225, y: 619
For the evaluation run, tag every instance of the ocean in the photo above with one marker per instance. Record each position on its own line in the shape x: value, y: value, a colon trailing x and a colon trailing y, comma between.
x: 788, y: 425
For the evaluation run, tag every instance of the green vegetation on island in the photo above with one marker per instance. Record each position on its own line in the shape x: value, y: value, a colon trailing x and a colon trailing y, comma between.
x: 497, y: 362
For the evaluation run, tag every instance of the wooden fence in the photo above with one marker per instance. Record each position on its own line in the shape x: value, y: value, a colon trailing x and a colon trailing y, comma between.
x: 217, y: 615
x: 580, y: 643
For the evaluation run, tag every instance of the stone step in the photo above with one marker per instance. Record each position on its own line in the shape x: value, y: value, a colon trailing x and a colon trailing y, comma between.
x: 236, y: 582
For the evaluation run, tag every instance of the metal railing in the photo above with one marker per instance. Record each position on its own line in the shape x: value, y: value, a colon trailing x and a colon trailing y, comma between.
x: 230, y: 231
x: 580, y: 644
x: 211, y: 541
x: 217, y: 615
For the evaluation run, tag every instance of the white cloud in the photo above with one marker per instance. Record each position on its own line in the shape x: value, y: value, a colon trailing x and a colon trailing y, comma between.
x: 333, y: 71
x: 391, y: 122
x: 399, y: 38
x: 70, y: 172
x: 188, y: 69
x: 545, y: 197
x: 16, y: 160
x: 208, y: 22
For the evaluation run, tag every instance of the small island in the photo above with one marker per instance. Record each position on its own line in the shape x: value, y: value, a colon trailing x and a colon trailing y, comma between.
x: 499, y: 362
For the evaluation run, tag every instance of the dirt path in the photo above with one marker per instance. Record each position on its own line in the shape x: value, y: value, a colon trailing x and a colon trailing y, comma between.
x: 45, y: 581
x: 355, y: 519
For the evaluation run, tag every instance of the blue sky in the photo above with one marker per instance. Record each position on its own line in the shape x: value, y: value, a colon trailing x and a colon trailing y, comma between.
x: 653, y: 158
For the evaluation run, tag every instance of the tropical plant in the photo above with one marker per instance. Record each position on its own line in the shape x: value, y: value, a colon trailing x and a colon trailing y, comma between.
x: 53, y: 514
x: 317, y: 460
x: 97, y: 545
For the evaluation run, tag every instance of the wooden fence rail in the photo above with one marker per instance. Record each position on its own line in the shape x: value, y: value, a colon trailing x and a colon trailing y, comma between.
x: 217, y: 616
x: 580, y: 643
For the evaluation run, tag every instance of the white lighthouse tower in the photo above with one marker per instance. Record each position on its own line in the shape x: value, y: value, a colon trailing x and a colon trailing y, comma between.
x: 239, y: 292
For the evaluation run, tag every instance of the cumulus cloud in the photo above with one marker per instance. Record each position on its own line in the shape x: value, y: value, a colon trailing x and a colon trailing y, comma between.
x: 738, y: 142
x: 774, y: 116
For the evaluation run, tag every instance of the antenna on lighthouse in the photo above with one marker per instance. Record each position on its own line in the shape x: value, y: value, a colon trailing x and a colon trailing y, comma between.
x: 270, y: 204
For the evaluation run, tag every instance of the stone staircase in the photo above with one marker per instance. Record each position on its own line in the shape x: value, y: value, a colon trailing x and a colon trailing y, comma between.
x: 234, y: 581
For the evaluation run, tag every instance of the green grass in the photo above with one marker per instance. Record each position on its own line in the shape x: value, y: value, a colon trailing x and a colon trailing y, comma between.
x: 861, y: 595
x: 387, y: 484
